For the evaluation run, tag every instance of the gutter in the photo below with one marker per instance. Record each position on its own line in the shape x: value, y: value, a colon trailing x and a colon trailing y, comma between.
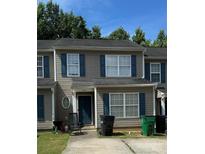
x: 44, y: 50
x: 129, y: 85
x: 94, y: 48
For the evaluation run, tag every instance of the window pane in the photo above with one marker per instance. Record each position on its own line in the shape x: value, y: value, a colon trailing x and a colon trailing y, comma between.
x: 72, y: 69
x: 155, y: 68
x: 155, y: 77
x: 111, y: 60
x: 124, y: 60
x: 39, y: 71
x: 131, y: 99
x: 112, y: 70
x: 117, y: 111
x: 73, y: 59
x: 39, y: 61
x: 131, y: 111
x: 124, y: 71
x: 116, y: 99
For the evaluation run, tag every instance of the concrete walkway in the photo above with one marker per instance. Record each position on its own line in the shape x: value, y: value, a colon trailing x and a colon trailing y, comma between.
x: 89, y: 143
x: 148, y: 145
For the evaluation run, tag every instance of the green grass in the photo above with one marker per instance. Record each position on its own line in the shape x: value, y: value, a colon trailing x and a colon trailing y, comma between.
x: 50, y: 143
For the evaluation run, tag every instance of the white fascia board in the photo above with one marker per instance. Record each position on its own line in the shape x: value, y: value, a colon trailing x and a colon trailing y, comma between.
x: 130, y: 85
x: 44, y: 50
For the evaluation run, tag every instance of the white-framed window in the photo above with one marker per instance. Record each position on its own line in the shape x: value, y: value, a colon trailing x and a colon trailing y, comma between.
x: 155, y: 72
x: 124, y: 105
x: 73, y: 64
x: 118, y: 65
x: 40, y: 67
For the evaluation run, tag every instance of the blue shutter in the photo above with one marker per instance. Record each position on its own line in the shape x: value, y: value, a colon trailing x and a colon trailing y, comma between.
x: 46, y: 66
x: 64, y: 65
x: 163, y: 72
x: 40, y: 107
x: 133, y: 65
x: 142, y: 103
x: 147, y: 71
x: 82, y: 65
x: 106, y: 104
x: 102, y: 65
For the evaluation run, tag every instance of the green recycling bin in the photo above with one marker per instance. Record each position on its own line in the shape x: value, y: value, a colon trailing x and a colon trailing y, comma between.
x: 147, y: 125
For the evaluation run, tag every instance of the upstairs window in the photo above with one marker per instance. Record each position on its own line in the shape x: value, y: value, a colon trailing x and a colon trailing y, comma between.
x: 118, y: 65
x: 40, y: 72
x: 155, y: 72
x: 73, y: 68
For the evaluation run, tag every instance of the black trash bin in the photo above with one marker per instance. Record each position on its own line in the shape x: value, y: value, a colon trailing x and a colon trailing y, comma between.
x: 107, y: 125
x: 58, y: 124
x: 161, y: 124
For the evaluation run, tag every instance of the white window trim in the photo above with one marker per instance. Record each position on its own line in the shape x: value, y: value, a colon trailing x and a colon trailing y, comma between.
x: 73, y: 64
x: 118, y: 67
x: 41, y: 66
x: 155, y: 72
x: 124, y: 105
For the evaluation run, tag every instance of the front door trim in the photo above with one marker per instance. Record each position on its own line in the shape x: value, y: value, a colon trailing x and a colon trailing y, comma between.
x: 92, y: 113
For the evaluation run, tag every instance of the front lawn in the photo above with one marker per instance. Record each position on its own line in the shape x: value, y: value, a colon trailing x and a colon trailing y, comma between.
x: 51, y: 143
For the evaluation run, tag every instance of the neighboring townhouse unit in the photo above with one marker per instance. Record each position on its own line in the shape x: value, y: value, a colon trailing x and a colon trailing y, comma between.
x: 92, y: 78
x: 156, y: 71
x: 46, y: 89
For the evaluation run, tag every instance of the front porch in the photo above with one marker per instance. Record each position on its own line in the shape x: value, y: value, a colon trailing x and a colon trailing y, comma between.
x: 45, y: 104
x: 88, y: 100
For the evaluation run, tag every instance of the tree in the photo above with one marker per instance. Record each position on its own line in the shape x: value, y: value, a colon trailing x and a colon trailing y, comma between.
x: 139, y: 36
x: 41, y: 22
x: 96, y: 34
x: 161, y: 40
x: 53, y: 23
x: 52, y: 14
x: 148, y: 43
x: 79, y: 29
x: 119, y: 34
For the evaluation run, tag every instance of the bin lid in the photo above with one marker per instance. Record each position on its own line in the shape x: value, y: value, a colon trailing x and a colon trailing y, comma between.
x: 161, y: 93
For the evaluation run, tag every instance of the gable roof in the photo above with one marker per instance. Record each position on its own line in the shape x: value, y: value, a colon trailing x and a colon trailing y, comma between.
x: 67, y: 43
x: 156, y: 53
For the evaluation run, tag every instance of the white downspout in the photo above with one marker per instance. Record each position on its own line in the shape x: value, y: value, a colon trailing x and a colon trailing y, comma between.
x: 54, y: 63
x: 154, y: 102
x: 143, y: 65
x: 95, y: 102
x: 53, y: 104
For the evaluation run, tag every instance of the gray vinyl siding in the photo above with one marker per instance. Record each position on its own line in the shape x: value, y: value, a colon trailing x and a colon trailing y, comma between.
x: 47, y: 103
x: 125, y: 122
x: 51, y: 66
x: 92, y: 69
x: 63, y: 89
x: 92, y: 63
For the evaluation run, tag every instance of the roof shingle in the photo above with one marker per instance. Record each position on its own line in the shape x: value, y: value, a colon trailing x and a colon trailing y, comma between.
x: 156, y: 53
x: 67, y: 42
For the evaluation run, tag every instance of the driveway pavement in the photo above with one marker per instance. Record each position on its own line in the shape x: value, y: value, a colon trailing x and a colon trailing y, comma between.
x: 89, y: 143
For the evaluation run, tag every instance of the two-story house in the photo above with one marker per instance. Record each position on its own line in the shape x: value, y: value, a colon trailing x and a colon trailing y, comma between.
x: 93, y: 78
x: 155, y: 71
